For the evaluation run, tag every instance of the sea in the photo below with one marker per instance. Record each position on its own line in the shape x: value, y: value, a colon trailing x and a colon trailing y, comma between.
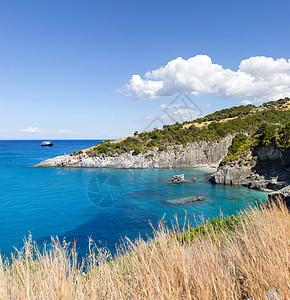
x: 106, y: 205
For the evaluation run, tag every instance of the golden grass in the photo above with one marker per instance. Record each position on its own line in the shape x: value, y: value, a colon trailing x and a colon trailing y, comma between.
x: 247, y: 262
x: 206, y: 123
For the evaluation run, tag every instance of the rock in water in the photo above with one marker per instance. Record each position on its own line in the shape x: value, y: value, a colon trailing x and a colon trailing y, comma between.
x: 178, y: 178
x: 193, y: 179
x: 198, y: 198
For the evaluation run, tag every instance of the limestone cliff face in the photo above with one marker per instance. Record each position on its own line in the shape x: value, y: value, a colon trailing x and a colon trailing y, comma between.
x: 269, y: 172
x: 204, y: 153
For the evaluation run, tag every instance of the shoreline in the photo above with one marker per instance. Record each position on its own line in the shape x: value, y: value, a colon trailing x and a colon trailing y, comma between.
x: 196, y: 154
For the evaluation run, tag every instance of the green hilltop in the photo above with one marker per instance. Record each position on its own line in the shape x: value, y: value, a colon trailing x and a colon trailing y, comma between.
x: 253, y: 126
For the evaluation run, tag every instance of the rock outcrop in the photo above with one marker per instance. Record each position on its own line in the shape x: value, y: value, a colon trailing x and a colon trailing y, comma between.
x: 194, y: 199
x: 197, y: 154
x: 269, y: 171
x: 283, y: 194
x: 185, y: 200
x: 178, y: 178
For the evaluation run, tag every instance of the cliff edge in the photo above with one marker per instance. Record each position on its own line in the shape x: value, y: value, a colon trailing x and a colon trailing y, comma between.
x: 263, y: 168
x: 196, y: 154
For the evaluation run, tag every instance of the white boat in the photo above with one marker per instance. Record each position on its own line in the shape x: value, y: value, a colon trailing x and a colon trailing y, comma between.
x: 47, y: 143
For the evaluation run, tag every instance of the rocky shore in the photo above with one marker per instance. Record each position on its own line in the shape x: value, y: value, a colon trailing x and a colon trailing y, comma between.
x: 266, y: 168
x: 283, y: 194
x: 270, y: 172
x: 197, y: 154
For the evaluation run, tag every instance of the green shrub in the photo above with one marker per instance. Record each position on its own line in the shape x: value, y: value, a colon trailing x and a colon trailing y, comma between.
x: 77, y: 153
x: 214, y: 226
x: 237, y: 142
x: 268, y: 133
x: 102, y: 148
x: 284, y: 134
x: 136, y: 151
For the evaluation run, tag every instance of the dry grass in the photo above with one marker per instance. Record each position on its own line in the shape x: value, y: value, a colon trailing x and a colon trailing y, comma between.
x: 247, y: 262
x: 285, y: 106
x: 206, y: 123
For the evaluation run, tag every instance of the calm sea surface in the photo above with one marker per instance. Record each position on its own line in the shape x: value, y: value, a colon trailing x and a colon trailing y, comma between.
x: 105, y: 204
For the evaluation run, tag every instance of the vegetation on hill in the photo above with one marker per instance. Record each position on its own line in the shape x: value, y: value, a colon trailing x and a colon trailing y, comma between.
x: 236, y: 111
x: 214, y: 227
x: 235, y: 258
x: 266, y: 134
x: 250, y: 120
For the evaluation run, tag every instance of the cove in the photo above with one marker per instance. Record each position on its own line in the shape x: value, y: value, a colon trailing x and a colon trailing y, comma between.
x: 104, y: 204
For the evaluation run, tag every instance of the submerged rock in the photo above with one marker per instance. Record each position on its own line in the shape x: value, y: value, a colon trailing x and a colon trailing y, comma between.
x: 198, y: 198
x: 185, y: 200
x: 193, y: 179
x: 178, y: 178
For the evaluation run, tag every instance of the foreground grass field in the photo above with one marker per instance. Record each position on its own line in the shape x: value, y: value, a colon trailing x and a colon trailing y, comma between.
x: 233, y: 261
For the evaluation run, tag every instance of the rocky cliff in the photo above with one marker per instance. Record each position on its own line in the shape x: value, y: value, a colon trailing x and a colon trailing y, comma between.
x: 283, y: 194
x: 264, y: 168
x: 203, y: 153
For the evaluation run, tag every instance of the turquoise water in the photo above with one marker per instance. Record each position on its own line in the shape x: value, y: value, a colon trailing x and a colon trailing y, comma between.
x: 105, y: 204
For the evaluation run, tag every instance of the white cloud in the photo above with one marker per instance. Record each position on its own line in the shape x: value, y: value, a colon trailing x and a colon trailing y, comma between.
x: 65, y: 131
x: 150, y: 118
x: 175, y: 113
x: 32, y: 129
x: 257, y: 77
x: 180, y: 115
x: 144, y: 88
x: 167, y: 106
x: 246, y: 102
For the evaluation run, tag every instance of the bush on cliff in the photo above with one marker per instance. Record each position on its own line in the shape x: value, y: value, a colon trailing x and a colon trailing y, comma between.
x: 284, y: 135
x: 136, y: 151
x: 268, y: 133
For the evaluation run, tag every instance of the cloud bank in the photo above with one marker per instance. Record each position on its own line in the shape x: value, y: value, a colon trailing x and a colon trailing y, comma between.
x: 32, y: 129
x: 65, y: 131
x: 258, y: 77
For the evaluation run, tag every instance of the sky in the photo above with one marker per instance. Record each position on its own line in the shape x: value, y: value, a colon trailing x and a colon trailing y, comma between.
x: 103, y: 69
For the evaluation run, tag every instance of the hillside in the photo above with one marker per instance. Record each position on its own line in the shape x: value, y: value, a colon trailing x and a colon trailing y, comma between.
x: 214, y: 127
x: 260, y: 157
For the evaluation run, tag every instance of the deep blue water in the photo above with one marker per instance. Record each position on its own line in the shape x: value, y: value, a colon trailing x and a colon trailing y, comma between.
x: 105, y: 204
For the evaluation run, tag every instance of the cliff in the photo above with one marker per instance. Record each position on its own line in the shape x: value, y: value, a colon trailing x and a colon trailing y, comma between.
x: 203, y: 153
x: 263, y: 168
x: 283, y: 194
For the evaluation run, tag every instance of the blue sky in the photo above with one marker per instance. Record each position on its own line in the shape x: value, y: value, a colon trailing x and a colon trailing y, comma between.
x: 66, y: 66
